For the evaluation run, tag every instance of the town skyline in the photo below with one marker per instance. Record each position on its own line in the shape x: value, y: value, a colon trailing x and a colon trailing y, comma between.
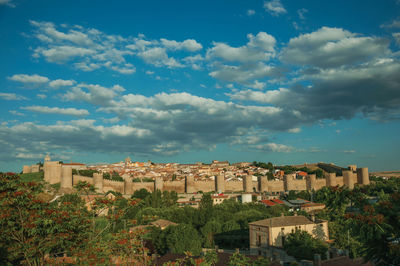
x: 178, y: 82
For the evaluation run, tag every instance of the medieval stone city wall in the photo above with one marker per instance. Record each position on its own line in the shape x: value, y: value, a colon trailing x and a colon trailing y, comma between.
x: 113, y: 185
x: 234, y: 186
x: 320, y: 183
x: 77, y: 178
x: 54, y: 172
x: 339, y: 181
x: 178, y: 186
x: 205, y: 186
x: 131, y: 187
x: 275, y: 186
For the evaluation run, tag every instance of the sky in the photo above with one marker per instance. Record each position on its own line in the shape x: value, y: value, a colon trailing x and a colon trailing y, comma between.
x: 185, y: 81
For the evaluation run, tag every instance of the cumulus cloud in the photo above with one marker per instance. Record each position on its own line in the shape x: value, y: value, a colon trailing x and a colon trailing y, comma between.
x: 395, y: 24
x: 61, y: 83
x: 90, y: 49
x: 189, y: 45
x: 158, y: 56
x: 243, y: 64
x: 29, y: 79
x: 274, y: 7
x: 93, y: 93
x: 332, y: 47
x: 11, y: 96
x: 259, y: 47
x: 243, y: 73
x: 56, y: 110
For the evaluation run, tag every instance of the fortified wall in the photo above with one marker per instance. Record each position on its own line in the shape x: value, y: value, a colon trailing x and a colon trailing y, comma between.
x: 54, y: 172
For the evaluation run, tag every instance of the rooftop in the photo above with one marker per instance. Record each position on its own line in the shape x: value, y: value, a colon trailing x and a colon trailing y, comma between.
x: 283, y: 221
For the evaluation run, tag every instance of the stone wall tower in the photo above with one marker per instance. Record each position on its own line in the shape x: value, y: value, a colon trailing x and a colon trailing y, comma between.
x: 158, y: 184
x: 348, y: 179
x: 331, y: 180
x: 189, y: 184
x: 52, y: 172
x: 363, y: 176
x: 66, y: 177
x: 288, y: 181
x: 311, y: 180
x: 98, y: 182
x: 220, y: 183
x: 262, y: 183
x: 26, y: 169
x: 248, y: 183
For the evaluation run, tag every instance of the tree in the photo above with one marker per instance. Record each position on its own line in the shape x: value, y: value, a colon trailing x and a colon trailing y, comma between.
x: 179, y: 239
x: 302, y: 245
x: 140, y: 194
x: 208, y: 231
x: 32, y: 227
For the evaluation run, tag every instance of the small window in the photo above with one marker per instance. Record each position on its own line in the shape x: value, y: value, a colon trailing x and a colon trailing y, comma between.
x: 283, y: 229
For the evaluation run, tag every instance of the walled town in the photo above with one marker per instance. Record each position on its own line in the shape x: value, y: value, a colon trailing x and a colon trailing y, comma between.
x: 238, y: 214
x: 191, y: 178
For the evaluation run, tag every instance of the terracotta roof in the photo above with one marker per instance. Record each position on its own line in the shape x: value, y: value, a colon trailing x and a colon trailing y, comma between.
x: 268, y: 202
x: 278, y: 201
x: 283, y: 221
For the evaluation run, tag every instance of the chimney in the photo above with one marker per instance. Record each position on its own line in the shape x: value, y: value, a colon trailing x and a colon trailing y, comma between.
x: 282, y: 214
x: 317, y: 260
x: 295, y: 213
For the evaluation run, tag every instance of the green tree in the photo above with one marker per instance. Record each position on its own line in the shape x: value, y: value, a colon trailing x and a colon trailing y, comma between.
x: 179, y: 239
x: 302, y: 245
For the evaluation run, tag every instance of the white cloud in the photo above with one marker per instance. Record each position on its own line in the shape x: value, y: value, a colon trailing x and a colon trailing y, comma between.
x: 14, y: 112
x: 271, y: 96
x: 62, y: 53
x: 9, y: 3
x: 349, y: 151
x: 243, y: 73
x: 188, y: 45
x: 332, y: 47
x: 89, y: 49
x: 157, y: 56
x: 11, y: 96
x: 41, y: 96
x: 29, y: 79
x: 394, y: 25
x: 301, y: 13
x: 294, y: 130
x: 56, y: 110
x: 396, y: 36
x: 258, y: 85
x: 250, y: 12
x: 61, y: 83
x: 260, y: 47
x: 274, y: 7
x: 93, y: 93
x: 148, y: 72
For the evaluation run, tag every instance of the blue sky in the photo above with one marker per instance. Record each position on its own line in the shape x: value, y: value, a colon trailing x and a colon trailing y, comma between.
x: 187, y: 81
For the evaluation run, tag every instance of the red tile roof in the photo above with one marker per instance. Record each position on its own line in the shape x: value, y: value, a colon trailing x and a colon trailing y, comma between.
x: 268, y: 202
x: 278, y: 201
